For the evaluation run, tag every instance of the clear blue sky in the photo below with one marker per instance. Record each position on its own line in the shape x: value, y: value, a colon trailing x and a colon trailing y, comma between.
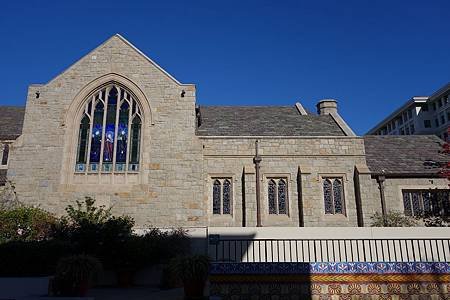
x: 369, y: 55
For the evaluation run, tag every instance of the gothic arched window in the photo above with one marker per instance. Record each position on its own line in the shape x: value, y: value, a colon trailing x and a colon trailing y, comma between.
x: 222, y: 196
x: 104, y: 142
x: 5, y: 154
x: 277, y: 196
x: 333, y: 196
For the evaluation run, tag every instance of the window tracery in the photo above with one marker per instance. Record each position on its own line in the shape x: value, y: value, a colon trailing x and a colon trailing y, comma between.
x: 109, y: 133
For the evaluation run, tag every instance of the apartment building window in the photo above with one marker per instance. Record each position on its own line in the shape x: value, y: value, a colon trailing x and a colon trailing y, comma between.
x: 448, y: 115
x: 436, y: 122
x: 427, y: 123
x: 410, y: 113
x: 424, y: 107
x: 426, y: 202
x: 407, y: 130
x: 440, y: 103
x: 434, y: 105
x: 442, y: 119
x: 412, y: 129
x: 402, y: 131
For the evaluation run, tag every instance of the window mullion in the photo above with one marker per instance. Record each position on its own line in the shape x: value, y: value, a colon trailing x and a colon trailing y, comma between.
x: 116, y: 127
x: 130, y: 111
x: 105, y: 112
x: 277, y: 204
x: 333, y: 207
x: 91, y: 124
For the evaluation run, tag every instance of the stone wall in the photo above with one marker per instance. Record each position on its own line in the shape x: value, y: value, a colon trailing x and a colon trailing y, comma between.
x: 42, y: 159
x: 393, y: 187
x: 307, y: 158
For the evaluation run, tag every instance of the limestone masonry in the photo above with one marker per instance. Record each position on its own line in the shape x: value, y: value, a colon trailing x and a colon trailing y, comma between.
x: 117, y: 127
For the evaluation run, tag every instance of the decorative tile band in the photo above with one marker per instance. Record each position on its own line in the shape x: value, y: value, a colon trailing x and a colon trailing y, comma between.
x: 332, y: 268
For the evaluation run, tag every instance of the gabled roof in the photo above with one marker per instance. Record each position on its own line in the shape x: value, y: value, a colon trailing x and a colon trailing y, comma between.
x: 263, y: 121
x: 11, y: 122
x: 404, y: 154
x: 128, y: 44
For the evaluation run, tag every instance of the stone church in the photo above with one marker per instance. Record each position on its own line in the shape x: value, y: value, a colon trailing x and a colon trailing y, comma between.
x: 117, y: 127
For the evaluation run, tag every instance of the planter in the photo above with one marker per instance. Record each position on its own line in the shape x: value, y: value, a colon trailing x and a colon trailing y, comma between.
x: 193, y: 289
x: 125, y: 278
x: 68, y: 289
x: 15, y: 287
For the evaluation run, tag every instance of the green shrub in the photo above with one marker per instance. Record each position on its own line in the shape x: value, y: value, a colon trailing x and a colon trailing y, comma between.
x: 24, y: 223
x: 32, y: 258
x: 393, y: 219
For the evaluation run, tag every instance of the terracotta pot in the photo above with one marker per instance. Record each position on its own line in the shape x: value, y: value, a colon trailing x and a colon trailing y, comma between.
x: 125, y: 278
x: 193, y: 289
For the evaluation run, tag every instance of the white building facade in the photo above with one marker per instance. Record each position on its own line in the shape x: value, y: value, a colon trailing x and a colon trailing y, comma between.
x: 420, y: 115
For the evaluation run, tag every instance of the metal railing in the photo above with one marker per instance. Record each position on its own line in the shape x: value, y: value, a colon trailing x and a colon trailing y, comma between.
x: 331, y: 250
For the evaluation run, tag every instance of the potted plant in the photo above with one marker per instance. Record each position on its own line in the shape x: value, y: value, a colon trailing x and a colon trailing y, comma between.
x: 74, y: 274
x: 193, y: 272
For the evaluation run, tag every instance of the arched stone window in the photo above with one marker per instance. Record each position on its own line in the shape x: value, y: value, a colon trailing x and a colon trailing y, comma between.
x: 109, y: 133
x: 277, y: 196
x: 5, y: 154
x: 222, y: 196
x: 333, y: 196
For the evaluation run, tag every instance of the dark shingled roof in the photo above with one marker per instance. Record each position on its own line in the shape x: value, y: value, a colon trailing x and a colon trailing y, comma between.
x: 404, y: 154
x: 2, y: 176
x: 263, y: 121
x: 11, y: 122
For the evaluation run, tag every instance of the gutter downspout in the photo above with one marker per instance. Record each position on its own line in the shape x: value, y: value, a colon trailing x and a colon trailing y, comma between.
x: 380, y: 180
x: 257, y: 160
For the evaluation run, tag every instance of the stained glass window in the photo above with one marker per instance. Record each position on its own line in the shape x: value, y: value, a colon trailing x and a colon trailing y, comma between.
x: 5, y: 154
x: 282, y: 197
x: 407, y: 204
x: 216, y: 197
x: 333, y: 196
x: 110, y: 132
x: 222, y: 196
x: 226, y: 198
x: 271, y: 192
x: 328, y: 197
x: 337, y: 194
x: 432, y: 202
x: 277, y: 196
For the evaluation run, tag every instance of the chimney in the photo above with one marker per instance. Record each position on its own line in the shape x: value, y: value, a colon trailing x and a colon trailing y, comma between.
x: 327, y: 107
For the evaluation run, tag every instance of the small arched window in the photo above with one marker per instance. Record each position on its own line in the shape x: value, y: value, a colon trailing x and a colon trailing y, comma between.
x: 333, y: 196
x: 5, y: 154
x: 222, y: 196
x: 277, y: 196
x: 109, y: 134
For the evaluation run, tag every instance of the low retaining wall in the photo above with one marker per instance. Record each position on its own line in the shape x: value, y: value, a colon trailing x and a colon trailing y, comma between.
x: 341, y: 281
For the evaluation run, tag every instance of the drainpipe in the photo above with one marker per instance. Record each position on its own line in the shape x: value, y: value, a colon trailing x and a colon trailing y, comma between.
x: 380, y: 180
x: 257, y: 160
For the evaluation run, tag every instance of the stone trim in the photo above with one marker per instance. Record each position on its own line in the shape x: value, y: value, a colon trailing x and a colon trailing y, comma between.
x: 73, y: 116
x: 342, y: 124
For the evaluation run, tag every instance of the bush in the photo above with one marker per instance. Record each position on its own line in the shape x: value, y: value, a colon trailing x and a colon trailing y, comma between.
x: 32, y: 258
x: 393, y: 219
x: 24, y: 223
